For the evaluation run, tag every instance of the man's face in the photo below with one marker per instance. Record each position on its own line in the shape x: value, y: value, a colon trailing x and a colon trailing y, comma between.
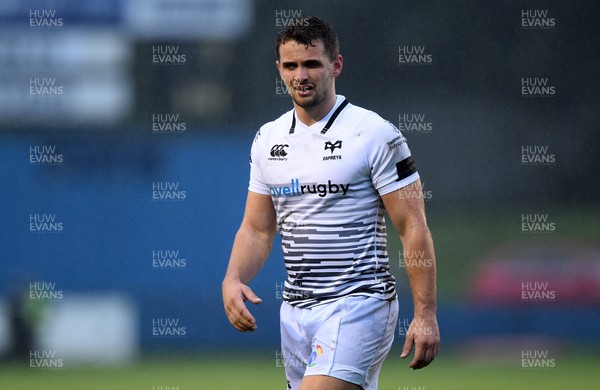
x: 308, y: 72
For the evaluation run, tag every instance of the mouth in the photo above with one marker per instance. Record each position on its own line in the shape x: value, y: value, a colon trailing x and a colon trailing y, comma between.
x: 304, y: 89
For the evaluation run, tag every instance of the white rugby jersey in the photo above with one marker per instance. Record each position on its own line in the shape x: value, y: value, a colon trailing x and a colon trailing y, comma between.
x: 326, y: 181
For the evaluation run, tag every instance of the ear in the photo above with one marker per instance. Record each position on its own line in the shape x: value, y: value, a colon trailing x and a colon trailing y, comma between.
x: 338, y: 64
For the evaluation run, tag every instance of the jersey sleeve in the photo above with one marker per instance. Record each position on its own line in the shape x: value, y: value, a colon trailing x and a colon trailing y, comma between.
x: 390, y: 160
x: 257, y: 183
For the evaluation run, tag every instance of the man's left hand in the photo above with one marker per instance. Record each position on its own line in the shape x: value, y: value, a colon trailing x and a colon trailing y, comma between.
x: 424, y: 334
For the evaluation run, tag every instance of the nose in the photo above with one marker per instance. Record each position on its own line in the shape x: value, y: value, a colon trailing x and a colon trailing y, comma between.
x: 300, y: 75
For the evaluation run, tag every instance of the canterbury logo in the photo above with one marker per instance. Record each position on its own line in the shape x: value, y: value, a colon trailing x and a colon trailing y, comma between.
x: 279, y: 150
x: 336, y: 145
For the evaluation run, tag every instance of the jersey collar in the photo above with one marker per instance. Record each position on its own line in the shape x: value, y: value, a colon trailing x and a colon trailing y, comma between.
x: 340, y: 103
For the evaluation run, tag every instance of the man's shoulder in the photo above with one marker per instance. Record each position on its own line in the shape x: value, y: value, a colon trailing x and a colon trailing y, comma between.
x: 278, y: 125
x: 368, y: 123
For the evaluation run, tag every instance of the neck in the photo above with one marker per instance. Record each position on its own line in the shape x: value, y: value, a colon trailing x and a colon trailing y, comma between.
x: 311, y: 115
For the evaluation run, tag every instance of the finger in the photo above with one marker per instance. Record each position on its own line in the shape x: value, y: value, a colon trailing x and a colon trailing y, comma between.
x: 426, y: 356
x: 242, y: 325
x: 250, y: 296
x: 408, y: 344
x: 422, y: 354
x: 240, y: 307
x: 246, y: 317
x: 419, y: 355
x: 233, y: 320
x: 423, y: 363
x: 420, y: 364
x: 432, y: 350
x: 240, y: 317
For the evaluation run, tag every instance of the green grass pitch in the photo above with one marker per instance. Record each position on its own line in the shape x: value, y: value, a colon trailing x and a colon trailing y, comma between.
x: 246, y: 371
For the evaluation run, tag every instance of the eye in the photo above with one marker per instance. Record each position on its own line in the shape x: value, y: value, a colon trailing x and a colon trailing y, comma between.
x: 313, y: 64
x: 289, y: 66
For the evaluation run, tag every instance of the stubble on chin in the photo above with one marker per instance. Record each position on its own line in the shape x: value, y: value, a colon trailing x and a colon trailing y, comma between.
x: 310, y: 102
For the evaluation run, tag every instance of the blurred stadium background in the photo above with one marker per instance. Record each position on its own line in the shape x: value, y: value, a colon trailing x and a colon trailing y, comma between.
x: 125, y: 132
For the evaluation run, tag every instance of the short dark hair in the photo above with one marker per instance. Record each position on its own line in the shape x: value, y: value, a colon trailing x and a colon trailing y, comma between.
x: 307, y: 30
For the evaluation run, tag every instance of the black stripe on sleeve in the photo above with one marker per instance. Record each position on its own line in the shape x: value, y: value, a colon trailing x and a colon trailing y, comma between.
x: 406, y: 168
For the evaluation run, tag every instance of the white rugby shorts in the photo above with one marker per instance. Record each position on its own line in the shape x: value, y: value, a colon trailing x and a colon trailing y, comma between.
x: 347, y: 339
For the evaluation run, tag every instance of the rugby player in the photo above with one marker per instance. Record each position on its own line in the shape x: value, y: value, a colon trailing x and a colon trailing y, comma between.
x: 324, y: 175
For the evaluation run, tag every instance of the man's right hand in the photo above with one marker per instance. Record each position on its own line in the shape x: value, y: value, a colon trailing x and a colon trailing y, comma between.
x: 234, y: 295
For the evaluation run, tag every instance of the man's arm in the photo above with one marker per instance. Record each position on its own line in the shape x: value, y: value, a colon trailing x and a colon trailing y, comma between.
x: 251, y: 248
x: 407, y: 212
